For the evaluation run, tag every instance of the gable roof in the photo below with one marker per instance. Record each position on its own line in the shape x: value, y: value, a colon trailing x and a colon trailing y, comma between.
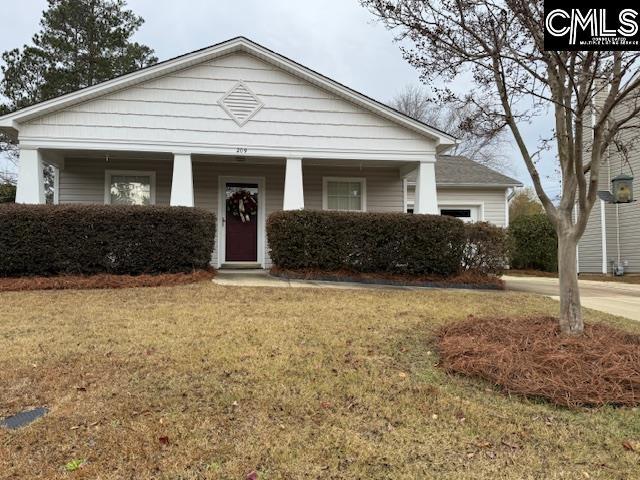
x: 239, y: 44
x: 460, y: 171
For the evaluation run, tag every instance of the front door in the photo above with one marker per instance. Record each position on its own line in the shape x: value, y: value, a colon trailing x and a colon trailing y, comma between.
x: 241, y: 225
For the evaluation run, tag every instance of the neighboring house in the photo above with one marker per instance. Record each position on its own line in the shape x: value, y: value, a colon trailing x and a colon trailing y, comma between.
x: 237, y: 119
x: 469, y: 191
x: 613, y: 231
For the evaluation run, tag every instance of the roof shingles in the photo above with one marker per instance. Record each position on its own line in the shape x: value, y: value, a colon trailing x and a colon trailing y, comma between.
x: 458, y: 170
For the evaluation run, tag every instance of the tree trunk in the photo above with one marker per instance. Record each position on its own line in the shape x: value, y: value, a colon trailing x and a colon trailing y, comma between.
x: 570, y: 311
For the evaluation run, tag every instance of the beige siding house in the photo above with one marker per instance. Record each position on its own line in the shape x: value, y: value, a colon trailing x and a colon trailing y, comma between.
x: 613, y: 231
x: 238, y: 119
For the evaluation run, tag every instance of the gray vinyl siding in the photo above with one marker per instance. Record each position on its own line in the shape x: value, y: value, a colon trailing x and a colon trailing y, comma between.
x: 625, y: 219
x: 83, y: 181
x: 590, y: 245
x: 492, y: 200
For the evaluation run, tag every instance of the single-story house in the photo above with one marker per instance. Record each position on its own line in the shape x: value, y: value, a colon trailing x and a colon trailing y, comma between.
x: 208, y: 128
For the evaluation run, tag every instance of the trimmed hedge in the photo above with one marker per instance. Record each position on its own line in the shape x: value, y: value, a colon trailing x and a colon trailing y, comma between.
x: 487, y: 248
x: 534, y: 243
x: 366, y: 242
x: 77, y: 239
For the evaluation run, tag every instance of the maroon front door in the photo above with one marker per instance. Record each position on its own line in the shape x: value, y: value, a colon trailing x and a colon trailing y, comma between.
x: 241, y: 236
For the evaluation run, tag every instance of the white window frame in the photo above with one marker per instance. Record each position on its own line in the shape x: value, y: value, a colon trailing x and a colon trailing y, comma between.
x: 134, y: 173
x: 363, y: 191
x: 462, y: 204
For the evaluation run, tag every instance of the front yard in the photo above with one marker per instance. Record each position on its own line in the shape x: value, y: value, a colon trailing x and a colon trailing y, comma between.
x: 205, y: 381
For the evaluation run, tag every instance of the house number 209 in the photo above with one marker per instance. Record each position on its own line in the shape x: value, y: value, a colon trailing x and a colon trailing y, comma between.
x: 241, y: 150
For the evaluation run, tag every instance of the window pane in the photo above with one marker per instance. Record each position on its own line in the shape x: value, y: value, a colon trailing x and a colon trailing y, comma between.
x: 130, y: 190
x: 343, y: 188
x: 344, y: 195
x: 458, y: 213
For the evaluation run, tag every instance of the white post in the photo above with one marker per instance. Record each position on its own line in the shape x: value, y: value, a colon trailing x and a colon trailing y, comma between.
x: 293, y: 189
x: 426, y: 196
x: 30, y: 187
x: 182, y: 182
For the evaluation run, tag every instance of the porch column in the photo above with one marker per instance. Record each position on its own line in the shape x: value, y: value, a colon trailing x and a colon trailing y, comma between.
x: 293, y: 189
x: 30, y: 188
x: 182, y: 182
x: 426, y: 196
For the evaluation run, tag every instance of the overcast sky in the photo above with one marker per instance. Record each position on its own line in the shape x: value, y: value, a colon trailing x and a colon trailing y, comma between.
x: 338, y: 38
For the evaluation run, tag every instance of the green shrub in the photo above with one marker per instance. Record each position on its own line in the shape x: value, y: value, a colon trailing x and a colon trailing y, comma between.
x: 7, y: 193
x: 366, y: 242
x: 89, y: 239
x: 534, y: 243
x: 487, y: 248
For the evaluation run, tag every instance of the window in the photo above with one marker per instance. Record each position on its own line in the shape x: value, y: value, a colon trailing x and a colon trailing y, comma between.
x: 466, y: 213
x: 458, y: 213
x: 130, y: 188
x: 346, y: 194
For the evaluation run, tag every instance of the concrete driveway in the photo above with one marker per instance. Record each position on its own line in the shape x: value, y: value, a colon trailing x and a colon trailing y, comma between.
x: 620, y: 299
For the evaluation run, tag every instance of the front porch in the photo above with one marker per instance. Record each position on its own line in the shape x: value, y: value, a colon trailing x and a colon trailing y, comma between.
x: 208, y: 181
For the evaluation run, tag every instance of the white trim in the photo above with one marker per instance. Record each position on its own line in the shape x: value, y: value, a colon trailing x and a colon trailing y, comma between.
x: 222, y: 202
x: 603, y: 239
x: 506, y: 208
x: 215, y: 51
x: 464, y: 203
x: 56, y: 184
x: 363, y: 194
x: 574, y: 215
x: 405, y: 196
x: 134, y: 173
x: 95, y: 144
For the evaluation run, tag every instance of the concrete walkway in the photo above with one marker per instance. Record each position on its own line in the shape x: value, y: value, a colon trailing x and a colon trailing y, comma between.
x: 620, y: 299
x: 261, y: 278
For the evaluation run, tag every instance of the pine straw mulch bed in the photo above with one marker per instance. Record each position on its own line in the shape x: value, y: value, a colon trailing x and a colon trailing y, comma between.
x: 103, y: 280
x: 463, y: 280
x: 528, y: 356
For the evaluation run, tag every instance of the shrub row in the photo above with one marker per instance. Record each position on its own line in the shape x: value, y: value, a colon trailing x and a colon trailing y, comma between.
x: 534, y: 243
x: 74, y: 239
x: 366, y: 242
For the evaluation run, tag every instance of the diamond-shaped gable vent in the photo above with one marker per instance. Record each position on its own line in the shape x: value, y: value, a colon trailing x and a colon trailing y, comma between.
x: 240, y: 103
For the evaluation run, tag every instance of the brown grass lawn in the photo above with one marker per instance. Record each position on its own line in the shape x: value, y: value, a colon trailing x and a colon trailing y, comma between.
x: 204, y: 381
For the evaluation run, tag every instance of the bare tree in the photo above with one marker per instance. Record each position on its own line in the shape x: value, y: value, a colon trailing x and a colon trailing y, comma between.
x: 499, y: 44
x: 486, y: 148
x: 524, y: 203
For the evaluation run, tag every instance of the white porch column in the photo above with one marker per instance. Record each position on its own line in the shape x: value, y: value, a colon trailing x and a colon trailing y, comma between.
x: 182, y: 182
x: 426, y: 196
x: 293, y: 189
x: 30, y: 188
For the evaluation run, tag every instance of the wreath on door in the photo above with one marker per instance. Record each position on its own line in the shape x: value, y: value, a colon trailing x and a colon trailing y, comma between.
x: 242, y: 204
